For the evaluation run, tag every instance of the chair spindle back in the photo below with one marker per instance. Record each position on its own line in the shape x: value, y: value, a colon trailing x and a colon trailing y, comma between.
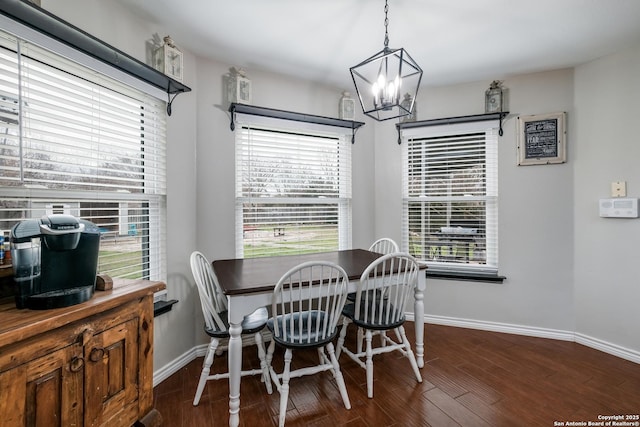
x: 310, y: 298
x: 385, y: 288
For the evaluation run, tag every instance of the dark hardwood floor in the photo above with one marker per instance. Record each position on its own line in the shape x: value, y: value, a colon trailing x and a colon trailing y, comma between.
x: 470, y: 378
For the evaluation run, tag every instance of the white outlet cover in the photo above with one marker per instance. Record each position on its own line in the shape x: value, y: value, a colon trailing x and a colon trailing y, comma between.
x: 618, y: 189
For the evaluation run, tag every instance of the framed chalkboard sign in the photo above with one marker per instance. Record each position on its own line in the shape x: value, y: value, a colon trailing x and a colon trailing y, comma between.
x: 542, y: 139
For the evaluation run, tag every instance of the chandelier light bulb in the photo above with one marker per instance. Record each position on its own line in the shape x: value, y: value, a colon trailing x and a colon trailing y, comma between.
x: 386, y: 93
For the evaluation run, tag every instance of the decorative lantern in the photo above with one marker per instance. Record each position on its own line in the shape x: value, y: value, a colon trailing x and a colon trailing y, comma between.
x: 168, y: 59
x: 409, y: 104
x: 239, y: 86
x: 493, y: 97
x: 347, y: 107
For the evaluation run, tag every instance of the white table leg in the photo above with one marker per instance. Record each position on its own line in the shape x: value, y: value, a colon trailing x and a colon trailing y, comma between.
x: 238, y: 307
x: 418, y: 310
x: 235, y: 367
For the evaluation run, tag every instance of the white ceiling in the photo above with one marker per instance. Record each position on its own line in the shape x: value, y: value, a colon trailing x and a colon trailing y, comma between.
x: 454, y: 41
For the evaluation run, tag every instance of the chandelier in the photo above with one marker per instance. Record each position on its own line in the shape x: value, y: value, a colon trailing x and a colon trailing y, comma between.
x: 387, y: 83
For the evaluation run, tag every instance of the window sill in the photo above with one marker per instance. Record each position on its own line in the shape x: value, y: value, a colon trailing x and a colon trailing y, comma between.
x: 465, y: 276
x: 161, y: 307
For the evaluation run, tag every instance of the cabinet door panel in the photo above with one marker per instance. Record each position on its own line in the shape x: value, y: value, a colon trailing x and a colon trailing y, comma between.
x: 47, y: 391
x: 111, y: 387
x: 13, y: 383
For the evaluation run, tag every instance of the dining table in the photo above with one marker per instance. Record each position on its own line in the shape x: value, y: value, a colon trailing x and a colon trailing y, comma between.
x: 248, y: 284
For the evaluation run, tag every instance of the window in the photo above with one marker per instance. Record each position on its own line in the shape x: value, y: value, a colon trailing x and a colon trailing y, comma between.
x: 450, y: 195
x: 77, y: 142
x: 293, y: 188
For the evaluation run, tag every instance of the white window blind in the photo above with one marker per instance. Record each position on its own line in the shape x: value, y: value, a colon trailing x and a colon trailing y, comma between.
x: 450, y: 186
x: 75, y: 141
x: 293, y: 189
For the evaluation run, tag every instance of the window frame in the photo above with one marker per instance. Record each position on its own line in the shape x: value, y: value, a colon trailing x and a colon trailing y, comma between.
x: 296, y: 123
x: 490, y: 125
x: 149, y: 194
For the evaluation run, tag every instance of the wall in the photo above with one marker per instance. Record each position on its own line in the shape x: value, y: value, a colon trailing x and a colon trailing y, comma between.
x: 200, y: 166
x: 607, y: 288
x: 535, y: 213
x: 174, y: 332
x: 216, y: 152
x: 563, y: 264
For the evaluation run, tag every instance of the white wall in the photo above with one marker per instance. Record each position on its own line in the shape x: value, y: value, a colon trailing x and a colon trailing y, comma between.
x: 216, y: 151
x: 174, y: 332
x: 549, y: 229
x: 607, y: 279
x: 215, y: 154
x: 200, y: 194
x: 535, y: 210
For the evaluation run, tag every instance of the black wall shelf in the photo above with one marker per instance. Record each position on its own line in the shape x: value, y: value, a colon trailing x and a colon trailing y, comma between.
x: 453, y: 120
x: 290, y: 115
x: 44, y: 22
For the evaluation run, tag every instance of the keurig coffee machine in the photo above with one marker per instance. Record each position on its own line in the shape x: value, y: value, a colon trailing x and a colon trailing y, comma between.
x: 55, y: 261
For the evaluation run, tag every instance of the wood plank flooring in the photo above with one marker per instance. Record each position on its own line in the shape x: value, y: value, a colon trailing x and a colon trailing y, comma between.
x: 470, y: 378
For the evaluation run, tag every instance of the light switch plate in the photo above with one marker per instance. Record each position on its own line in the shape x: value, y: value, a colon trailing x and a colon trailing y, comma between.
x: 619, y: 189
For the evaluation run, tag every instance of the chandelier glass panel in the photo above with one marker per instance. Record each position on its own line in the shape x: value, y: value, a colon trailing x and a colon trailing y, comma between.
x: 387, y: 83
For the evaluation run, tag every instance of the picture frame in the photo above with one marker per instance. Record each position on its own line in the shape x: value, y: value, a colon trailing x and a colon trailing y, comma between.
x: 542, y: 139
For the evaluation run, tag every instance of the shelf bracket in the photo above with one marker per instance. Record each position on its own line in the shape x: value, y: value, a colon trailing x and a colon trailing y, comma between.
x: 170, y: 101
x: 232, y: 110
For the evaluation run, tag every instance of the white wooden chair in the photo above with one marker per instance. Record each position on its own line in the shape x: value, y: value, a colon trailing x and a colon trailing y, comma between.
x: 216, y: 325
x: 384, y: 246
x: 383, y: 291
x: 306, y: 305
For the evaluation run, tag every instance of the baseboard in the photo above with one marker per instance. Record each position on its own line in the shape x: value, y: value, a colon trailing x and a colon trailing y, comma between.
x: 606, y: 347
x: 506, y: 328
x: 176, y: 364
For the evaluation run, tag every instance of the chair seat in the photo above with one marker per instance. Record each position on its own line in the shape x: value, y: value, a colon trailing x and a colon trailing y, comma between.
x: 306, y: 332
x: 349, y: 311
x: 251, y: 323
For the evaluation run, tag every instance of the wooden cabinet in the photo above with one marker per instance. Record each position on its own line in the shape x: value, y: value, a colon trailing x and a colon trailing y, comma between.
x: 44, y: 390
x: 86, y: 365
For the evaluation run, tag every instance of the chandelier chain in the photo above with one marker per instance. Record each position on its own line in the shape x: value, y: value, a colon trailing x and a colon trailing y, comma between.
x: 386, y: 24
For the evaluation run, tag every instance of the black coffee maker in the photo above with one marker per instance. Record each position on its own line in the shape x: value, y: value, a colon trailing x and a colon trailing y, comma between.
x: 55, y: 261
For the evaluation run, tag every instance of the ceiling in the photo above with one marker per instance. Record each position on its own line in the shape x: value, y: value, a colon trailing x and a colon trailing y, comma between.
x: 454, y: 41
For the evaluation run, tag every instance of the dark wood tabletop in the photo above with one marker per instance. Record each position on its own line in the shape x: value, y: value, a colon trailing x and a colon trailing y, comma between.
x: 257, y: 275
